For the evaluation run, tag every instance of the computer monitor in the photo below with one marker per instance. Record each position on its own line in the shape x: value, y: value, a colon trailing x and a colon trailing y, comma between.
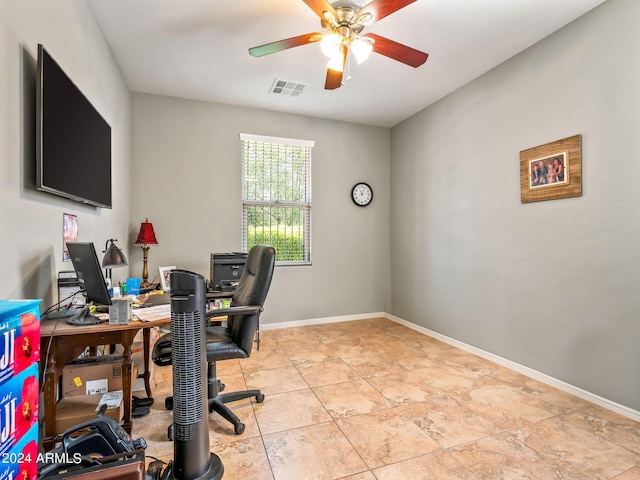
x: 90, y: 277
x: 226, y: 269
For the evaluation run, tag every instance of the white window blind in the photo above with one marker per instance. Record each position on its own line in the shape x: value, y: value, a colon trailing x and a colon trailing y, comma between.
x: 276, y: 196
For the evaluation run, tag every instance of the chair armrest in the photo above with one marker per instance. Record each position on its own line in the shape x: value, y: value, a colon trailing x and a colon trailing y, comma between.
x: 216, y: 295
x: 238, y: 310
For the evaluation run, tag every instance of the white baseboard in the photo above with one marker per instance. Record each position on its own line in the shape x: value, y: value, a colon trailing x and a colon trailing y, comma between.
x: 318, y: 321
x: 529, y: 372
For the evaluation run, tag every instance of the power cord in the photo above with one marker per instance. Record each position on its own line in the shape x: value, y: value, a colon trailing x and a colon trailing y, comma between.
x: 52, y: 308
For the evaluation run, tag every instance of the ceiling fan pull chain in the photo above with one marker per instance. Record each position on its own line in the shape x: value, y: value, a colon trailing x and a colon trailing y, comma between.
x: 348, y: 66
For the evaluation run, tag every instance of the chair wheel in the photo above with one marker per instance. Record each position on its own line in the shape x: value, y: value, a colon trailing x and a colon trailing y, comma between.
x: 260, y: 398
x: 238, y: 428
x: 221, y: 387
x: 168, y: 403
x: 170, y: 432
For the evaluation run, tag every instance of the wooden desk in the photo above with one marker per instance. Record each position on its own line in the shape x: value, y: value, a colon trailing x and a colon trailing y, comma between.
x: 69, y: 341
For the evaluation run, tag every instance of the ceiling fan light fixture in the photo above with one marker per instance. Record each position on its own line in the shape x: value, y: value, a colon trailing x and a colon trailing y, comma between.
x: 331, y: 45
x: 365, y: 19
x: 361, y: 49
x: 336, y: 63
x: 329, y: 17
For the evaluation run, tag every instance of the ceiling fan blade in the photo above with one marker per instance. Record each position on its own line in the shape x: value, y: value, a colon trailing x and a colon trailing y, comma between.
x: 379, y: 9
x: 280, y: 45
x: 334, y: 77
x: 321, y: 6
x: 397, y: 51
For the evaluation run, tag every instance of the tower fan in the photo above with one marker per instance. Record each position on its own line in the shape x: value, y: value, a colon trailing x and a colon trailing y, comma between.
x: 192, y: 458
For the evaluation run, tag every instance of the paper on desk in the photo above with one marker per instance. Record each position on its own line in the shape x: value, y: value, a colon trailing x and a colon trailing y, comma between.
x: 112, y: 399
x: 149, y: 314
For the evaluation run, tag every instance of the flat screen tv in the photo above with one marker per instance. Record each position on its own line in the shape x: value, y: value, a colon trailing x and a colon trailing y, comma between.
x: 73, y: 141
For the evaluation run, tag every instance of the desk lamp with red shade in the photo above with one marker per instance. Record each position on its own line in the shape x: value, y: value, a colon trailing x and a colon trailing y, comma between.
x: 146, y: 238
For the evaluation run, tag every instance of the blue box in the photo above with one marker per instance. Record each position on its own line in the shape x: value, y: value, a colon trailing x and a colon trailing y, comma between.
x: 133, y: 286
x: 21, y: 461
x: 19, y: 336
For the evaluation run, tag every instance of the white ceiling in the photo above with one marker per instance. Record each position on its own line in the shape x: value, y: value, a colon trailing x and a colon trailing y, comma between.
x: 198, y: 49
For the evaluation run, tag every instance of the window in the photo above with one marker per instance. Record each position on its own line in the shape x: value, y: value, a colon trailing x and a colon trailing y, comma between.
x: 276, y: 196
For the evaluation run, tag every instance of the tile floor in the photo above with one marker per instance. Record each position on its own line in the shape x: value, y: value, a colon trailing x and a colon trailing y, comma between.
x: 374, y: 400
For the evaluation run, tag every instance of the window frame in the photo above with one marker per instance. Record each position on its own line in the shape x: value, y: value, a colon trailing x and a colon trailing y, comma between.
x: 305, y: 205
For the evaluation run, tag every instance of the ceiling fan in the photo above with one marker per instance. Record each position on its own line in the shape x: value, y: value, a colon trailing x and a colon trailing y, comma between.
x: 342, y: 24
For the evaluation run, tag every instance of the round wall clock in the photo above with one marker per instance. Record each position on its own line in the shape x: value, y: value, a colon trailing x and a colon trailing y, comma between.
x: 361, y: 194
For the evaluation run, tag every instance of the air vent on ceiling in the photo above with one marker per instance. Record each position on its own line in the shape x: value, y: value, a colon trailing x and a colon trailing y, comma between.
x: 287, y: 88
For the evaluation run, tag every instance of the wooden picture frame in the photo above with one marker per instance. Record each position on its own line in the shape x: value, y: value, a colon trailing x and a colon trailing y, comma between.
x: 551, y: 171
x: 165, y: 282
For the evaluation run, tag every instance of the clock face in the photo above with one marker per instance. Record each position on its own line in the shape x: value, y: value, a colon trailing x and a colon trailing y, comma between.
x: 362, y: 194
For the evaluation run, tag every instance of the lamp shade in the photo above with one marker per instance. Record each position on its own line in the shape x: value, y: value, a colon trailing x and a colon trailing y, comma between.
x: 361, y: 48
x: 113, y: 256
x: 331, y: 45
x: 146, y: 236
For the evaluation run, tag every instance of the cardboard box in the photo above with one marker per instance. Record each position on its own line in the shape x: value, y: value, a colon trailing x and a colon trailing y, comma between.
x: 19, y: 336
x: 94, y: 375
x: 72, y: 411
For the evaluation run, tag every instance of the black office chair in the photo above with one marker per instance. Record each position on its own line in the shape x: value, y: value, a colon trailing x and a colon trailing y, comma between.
x: 235, y: 340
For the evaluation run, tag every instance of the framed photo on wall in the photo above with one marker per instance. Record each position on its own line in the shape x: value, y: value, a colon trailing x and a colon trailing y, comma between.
x: 551, y: 171
x: 69, y: 233
x: 165, y: 280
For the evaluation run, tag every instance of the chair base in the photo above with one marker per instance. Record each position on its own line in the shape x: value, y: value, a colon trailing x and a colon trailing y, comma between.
x: 217, y: 404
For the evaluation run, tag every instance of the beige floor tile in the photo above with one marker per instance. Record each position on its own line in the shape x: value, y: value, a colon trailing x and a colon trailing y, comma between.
x: 386, y: 437
x: 309, y: 353
x: 268, y: 341
x: 351, y: 398
x: 327, y: 373
x: 608, y: 426
x: 319, y: 452
x: 301, y: 335
x: 346, y: 346
x: 290, y: 410
x: 360, y: 476
x: 505, y: 456
x: 275, y: 380
x: 370, y: 366
x: 244, y: 459
x: 577, y: 450
x: 448, y: 423
x: 632, y: 474
x: 233, y: 383
x: 434, y: 466
x: 507, y: 406
x: 228, y: 367
x: 406, y: 387
x: 416, y: 361
x: 153, y: 428
x: 265, y: 359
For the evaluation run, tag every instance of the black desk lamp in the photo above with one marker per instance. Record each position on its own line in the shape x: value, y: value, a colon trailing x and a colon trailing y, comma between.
x: 113, y: 257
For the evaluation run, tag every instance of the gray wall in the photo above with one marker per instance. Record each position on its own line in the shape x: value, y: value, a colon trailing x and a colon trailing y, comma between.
x: 551, y: 285
x: 31, y: 221
x: 187, y: 171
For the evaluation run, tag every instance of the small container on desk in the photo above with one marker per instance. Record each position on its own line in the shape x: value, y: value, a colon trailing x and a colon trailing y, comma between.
x: 119, y: 311
x: 133, y: 286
